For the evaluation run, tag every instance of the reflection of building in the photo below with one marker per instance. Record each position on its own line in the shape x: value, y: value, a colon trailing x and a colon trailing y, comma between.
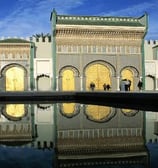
x: 120, y: 134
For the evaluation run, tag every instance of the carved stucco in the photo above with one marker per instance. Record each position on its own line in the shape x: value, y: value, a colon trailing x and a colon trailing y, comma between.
x: 13, y: 51
x: 87, y: 35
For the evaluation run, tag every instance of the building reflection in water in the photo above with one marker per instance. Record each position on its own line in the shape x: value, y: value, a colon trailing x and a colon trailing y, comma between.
x: 87, y: 135
x: 100, y: 135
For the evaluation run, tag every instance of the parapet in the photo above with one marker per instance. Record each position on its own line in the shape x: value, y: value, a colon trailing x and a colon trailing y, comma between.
x: 151, y: 42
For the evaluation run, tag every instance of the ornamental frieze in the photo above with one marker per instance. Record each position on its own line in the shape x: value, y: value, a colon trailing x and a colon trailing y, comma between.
x: 96, y: 49
x: 123, y: 36
x: 96, y: 41
x: 14, y: 55
x: 99, y: 33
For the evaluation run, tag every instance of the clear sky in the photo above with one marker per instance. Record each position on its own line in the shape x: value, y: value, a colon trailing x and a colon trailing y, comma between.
x: 24, y: 18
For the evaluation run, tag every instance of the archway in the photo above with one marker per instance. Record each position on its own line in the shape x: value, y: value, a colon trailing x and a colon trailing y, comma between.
x: 98, y: 74
x: 68, y: 84
x: 14, y: 79
x: 68, y: 81
x: 149, y: 81
x: 128, y: 75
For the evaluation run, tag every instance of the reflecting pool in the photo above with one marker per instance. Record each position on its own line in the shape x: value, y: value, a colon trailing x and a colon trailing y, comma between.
x: 77, y: 135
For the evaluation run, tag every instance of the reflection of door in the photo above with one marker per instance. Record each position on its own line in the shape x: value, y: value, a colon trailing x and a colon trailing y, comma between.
x: 15, y: 79
x: 68, y: 82
x: 99, y: 74
x: 128, y: 74
x: 98, y: 113
x: 15, y: 110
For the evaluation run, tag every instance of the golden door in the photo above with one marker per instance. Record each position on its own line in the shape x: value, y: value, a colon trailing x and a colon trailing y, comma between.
x: 68, y: 84
x: 128, y: 74
x: 98, y: 74
x: 68, y: 81
x: 15, y: 79
x: 15, y: 82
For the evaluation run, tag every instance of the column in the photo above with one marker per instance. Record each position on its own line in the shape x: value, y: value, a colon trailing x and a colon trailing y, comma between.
x: 57, y: 83
x: 156, y: 83
x: 118, y: 83
x: 35, y: 84
x: 81, y: 83
x: 32, y: 52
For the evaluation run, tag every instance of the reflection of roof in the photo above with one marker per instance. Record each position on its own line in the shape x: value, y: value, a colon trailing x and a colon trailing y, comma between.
x: 14, y: 40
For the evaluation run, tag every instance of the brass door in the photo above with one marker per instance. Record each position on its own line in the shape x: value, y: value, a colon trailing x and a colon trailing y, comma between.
x: 68, y: 81
x: 15, y: 82
x: 68, y: 84
x: 128, y: 74
x: 15, y: 79
x: 98, y: 74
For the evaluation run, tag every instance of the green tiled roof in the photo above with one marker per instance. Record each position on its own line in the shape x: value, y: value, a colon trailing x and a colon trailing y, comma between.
x: 97, y: 20
x: 14, y: 40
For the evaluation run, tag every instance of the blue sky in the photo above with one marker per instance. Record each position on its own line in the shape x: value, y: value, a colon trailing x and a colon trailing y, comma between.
x: 23, y: 18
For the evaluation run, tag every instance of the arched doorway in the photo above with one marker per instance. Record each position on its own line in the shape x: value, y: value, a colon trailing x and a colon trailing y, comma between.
x: 149, y: 82
x: 99, y: 74
x: 68, y: 81
x: 68, y: 84
x: 14, y: 79
x: 128, y: 75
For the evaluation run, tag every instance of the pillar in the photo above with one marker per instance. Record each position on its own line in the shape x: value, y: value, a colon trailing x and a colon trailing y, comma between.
x: 118, y: 83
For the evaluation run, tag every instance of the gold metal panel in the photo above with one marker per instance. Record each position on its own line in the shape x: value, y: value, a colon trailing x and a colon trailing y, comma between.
x: 99, y: 74
x: 15, y: 82
x: 15, y: 79
x: 68, y: 84
x: 68, y: 81
x: 128, y: 74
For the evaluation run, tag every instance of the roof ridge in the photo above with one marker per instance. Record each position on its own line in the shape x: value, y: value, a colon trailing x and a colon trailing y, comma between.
x: 14, y: 40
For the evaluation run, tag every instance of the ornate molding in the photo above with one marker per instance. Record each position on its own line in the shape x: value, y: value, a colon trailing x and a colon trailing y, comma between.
x: 97, y: 41
x: 99, y: 34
